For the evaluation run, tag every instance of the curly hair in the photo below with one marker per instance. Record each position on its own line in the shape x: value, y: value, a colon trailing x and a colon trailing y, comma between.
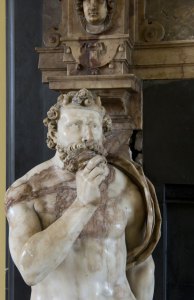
x: 79, y: 5
x: 81, y: 99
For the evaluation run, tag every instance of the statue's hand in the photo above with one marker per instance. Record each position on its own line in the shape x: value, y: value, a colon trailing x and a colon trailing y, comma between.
x: 89, y: 179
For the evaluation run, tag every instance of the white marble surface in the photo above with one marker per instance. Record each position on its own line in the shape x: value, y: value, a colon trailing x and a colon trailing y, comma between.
x: 67, y: 230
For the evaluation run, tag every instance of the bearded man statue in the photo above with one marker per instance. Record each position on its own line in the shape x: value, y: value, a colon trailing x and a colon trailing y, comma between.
x: 83, y: 224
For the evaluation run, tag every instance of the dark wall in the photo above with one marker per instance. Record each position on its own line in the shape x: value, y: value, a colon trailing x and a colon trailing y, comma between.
x: 168, y: 162
x: 31, y: 97
x: 168, y: 131
x: 28, y: 102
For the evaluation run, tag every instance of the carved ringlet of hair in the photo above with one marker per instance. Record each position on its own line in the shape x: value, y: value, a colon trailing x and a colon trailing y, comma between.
x: 111, y: 4
x: 81, y: 99
x: 79, y: 5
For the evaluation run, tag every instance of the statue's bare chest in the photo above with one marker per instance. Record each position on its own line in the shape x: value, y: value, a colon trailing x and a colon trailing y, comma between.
x: 109, y: 219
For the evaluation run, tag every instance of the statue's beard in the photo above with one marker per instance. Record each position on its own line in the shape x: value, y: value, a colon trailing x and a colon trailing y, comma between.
x: 75, y: 156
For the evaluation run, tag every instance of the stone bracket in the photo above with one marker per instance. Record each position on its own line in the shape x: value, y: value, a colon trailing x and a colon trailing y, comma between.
x: 121, y: 94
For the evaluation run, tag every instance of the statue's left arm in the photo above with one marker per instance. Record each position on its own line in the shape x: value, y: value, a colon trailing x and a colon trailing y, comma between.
x: 140, y: 276
x: 141, y: 279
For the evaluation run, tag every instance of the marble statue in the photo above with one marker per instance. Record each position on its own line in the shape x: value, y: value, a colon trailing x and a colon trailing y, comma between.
x: 95, y: 15
x: 83, y: 225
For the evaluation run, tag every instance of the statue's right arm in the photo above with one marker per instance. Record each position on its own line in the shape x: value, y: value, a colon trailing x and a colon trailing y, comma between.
x: 37, y: 252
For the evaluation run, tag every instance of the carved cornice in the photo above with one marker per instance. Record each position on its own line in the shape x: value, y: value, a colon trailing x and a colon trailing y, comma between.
x: 96, y: 82
x: 164, y: 60
x: 159, y: 60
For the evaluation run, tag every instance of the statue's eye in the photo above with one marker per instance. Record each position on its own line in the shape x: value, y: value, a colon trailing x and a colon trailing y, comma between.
x: 76, y: 125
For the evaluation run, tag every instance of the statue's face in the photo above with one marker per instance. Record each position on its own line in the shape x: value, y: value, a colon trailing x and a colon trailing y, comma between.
x: 79, y: 125
x: 95, y: 11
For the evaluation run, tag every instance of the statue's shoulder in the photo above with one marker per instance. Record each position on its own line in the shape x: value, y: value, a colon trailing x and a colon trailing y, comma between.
x: 23, y: 189
x: 39, y: 169
x: 121, y: 181
x: 128, y: 171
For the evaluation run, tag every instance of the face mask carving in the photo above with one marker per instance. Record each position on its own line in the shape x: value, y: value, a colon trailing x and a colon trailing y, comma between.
x: 95, y: 15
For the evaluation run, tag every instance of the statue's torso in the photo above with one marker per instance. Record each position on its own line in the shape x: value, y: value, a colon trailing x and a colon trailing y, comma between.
x: 95, y: 266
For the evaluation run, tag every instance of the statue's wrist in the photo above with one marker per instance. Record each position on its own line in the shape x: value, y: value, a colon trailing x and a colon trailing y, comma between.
x: 81, y: 203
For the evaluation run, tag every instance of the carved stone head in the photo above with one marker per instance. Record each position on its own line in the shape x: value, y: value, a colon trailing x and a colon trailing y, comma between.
x: 76, y: 127
x: 95, y: 11
x: 82, y: 100
x: 95, y: 15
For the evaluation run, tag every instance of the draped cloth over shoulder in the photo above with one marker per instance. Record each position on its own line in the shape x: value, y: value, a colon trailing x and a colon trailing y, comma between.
x: 153, y: 217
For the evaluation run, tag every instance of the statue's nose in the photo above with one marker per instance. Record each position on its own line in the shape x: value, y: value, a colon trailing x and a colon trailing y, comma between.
x: 93, y: 3
x: 87, y: 135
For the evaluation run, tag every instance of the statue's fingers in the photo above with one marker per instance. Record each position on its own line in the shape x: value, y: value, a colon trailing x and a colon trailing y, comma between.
x: 95, y: 161
x: 95, y: 172
x: 99, y: 179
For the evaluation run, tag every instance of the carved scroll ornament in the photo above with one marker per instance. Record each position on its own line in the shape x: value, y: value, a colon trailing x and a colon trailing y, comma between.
x: 153, y: 31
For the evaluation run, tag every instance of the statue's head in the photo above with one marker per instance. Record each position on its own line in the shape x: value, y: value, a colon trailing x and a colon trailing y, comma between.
x: 95, y: 13
x: 77, y: 122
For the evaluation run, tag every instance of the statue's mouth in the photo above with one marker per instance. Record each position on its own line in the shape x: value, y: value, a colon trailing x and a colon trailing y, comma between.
x: 76, y: 156
x: 93, y: 13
